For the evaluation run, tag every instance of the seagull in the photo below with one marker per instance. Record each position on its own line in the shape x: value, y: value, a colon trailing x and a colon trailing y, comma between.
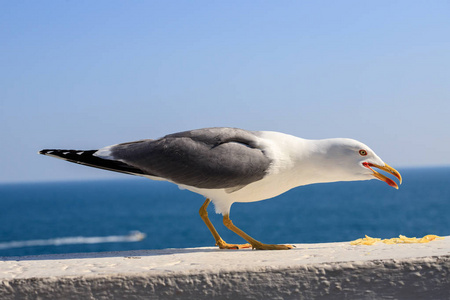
x: 228, y: 165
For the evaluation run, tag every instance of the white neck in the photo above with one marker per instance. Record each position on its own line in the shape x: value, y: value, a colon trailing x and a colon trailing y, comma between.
x: 313, y: 164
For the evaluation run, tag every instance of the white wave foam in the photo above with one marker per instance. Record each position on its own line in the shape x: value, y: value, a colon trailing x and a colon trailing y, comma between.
x: 133, y: 236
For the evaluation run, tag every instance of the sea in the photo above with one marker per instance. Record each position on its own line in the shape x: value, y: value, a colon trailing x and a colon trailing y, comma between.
x: 136, y: 213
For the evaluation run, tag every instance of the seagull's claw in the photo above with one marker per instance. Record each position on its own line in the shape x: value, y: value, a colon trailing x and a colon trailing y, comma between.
x: 224, y: 245
x: 262, y: 246
x: 257, y: 246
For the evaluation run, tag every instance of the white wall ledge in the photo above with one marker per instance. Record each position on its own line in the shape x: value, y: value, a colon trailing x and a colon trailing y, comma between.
x: 310, y: 271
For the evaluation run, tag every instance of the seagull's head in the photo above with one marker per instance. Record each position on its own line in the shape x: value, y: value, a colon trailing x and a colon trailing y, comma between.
x: 352, y: 160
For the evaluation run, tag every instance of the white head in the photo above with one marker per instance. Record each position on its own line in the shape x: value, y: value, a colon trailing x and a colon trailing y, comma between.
x: 350, y: 160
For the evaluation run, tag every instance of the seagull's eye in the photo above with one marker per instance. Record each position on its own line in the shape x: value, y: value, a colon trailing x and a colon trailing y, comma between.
x: 363, y: 152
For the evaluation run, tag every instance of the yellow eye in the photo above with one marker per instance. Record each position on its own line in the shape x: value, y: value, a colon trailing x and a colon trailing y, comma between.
x: 363, y: 152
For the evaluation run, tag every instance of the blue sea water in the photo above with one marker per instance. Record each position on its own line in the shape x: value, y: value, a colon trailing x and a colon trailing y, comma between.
x: 64, y: 217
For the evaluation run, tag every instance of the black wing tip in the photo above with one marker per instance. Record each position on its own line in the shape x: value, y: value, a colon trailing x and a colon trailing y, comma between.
x: 67, y: 154
x: 87, y: 158
x: 58, y: 151
x: 44, y: 151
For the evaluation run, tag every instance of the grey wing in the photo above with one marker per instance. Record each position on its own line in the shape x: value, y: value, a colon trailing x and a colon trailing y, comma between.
x: 208, y: 158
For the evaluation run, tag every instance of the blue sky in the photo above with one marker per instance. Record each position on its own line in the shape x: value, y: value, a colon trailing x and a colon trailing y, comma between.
x: 86, y: 74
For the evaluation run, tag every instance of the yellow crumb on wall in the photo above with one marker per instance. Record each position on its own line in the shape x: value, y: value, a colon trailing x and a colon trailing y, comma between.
x: 400, y: 240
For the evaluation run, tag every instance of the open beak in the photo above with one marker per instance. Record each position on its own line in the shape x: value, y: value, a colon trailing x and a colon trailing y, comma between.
x: 381, y: 177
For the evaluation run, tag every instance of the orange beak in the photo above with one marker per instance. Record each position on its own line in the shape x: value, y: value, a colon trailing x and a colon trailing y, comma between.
x: 381, y: 177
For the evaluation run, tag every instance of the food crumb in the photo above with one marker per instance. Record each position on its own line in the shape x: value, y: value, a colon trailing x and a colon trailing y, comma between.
x: 400, y: 240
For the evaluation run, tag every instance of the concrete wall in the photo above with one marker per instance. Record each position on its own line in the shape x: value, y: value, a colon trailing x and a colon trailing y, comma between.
x: 310, y: 271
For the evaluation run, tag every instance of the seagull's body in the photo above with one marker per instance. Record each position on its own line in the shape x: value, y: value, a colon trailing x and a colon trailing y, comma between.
x: 230, y: 165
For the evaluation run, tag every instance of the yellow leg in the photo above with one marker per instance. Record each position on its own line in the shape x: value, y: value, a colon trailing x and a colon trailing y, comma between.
x: 219, y: 242
x: 255, y: 244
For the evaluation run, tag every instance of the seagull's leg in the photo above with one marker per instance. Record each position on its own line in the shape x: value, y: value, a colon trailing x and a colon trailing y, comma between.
x: 255, y: 244
x: 219, y: 242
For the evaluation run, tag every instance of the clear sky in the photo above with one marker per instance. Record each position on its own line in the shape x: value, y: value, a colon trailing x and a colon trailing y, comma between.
x: 86, y: 74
